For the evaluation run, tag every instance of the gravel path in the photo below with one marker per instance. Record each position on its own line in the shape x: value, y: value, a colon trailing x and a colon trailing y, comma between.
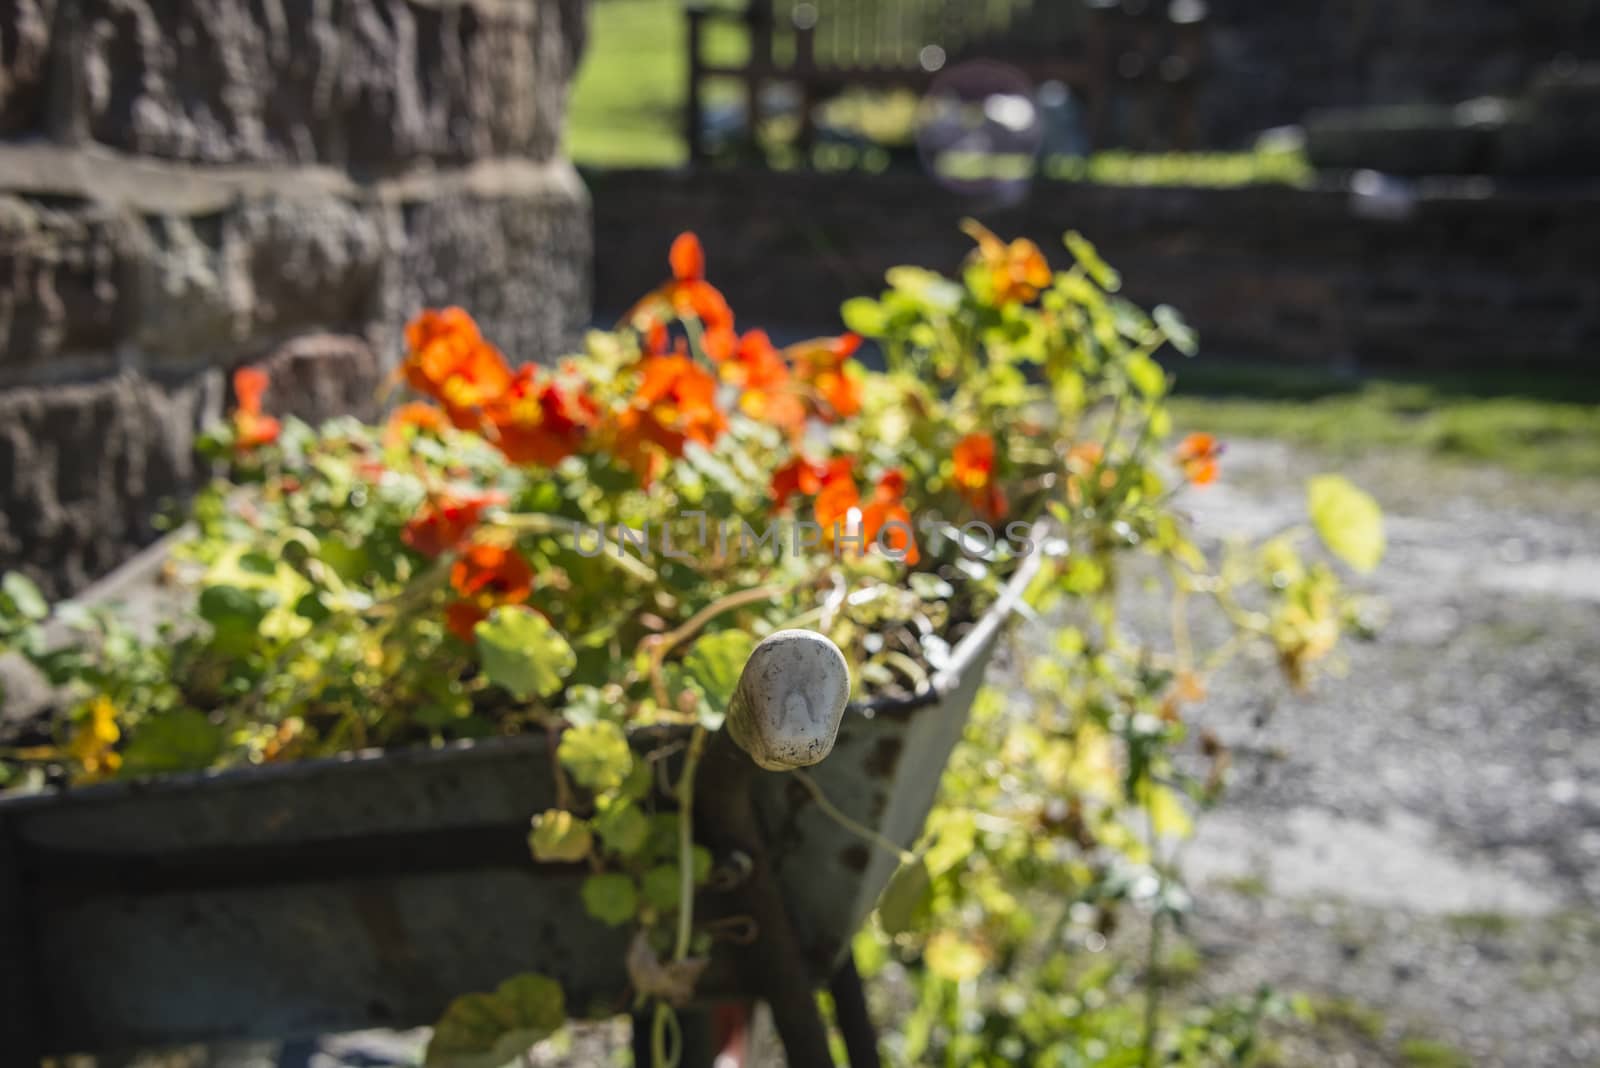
x: 1417, y: 843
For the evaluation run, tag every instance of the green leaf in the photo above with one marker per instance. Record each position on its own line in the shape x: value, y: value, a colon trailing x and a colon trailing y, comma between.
x: 661, y: 887
x: 715, y: 663
x: 905, y: 899
x: 492, y: 1030
x: 1348, y: 520
x: 610, y: 898
x: 1179, y: 332
x: 232, y: 608
x: 865, y: 316
x: 25, y: 596
x: 522, y: 653
x: 558, y: 836
x: 623, y: 828
x: 1088, y: 258
x: 184, y: 740
x: 1083, y: 575
x: 597, y: 755
x: 1146, y: 375
x: 1168, y: 817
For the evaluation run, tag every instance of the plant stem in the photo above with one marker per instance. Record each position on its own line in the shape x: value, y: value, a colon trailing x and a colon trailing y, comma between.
x: 860, y: 830
x: 542, y: 523
x: 1152, y: 990
x: 691, y: 764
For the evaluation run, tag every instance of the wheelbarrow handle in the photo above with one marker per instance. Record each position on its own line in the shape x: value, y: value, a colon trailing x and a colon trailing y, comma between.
x: 784, y: 714
x: 786, y: 710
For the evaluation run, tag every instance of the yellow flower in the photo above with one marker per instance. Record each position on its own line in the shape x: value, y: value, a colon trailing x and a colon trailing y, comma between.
x: 92, y: 740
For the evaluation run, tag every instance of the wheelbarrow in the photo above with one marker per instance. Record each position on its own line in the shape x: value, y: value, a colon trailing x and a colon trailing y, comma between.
x: 368, y: 890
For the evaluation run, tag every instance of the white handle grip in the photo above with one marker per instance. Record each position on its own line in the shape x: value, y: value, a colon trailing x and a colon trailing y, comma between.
x: 791, y: 697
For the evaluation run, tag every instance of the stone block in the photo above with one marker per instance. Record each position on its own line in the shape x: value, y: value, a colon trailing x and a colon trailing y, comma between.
x: 370, y: 84
x: 24, y: 61
x: 64, y: 280
x: 218, y: 283
x: 84, y: 469
x: 320, y: 376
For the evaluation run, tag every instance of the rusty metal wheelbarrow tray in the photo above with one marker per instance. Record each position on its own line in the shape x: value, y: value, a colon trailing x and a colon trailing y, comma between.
x: 368, y: 890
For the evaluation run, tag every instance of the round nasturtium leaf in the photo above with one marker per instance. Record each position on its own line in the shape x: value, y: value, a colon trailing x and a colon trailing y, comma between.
x: 522, y: 653
x: 1347, y: 519
x: 596, y: 755
x: 492, y: 1030
x: 560, y: 837
x: 611, y: 898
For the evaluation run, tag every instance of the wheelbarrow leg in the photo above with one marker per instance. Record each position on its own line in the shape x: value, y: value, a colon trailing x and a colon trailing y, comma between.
x: 850, y: 1012
x: 773, y: 966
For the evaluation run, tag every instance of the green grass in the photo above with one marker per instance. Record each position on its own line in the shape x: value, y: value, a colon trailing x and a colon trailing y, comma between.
x: 1543, y: 425
x: 1480, y: 924
x: 627, y: 104
x: 1427, y: 1053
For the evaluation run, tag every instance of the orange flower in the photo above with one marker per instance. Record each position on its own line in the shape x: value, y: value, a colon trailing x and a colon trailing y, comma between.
x: 449, y: 360
x: 485, y: 577
x: 674, y: 404
x: 767, y: 389
x: 821, y: 364
x: 803, y: 476
x: 885, y: 514
x: 887, y: 517
x: 445, y: 522
x: 424, y: 417
x: 834, y: 504
x: 1017, y: 272
x: 1197, y: 455
x: 251, y: 428
x: 687, y: 258
x: 689, y: 295
x: 974, y: 458
x: 541, y: 422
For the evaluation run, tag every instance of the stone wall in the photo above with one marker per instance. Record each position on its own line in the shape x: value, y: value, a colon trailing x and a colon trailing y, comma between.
x: 1275, y: 61
x: 187, y: 186
x: 1461, y: 277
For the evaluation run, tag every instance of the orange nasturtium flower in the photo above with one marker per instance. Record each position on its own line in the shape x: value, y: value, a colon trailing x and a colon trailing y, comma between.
x: 886, y: 516
x: 767, y: 390
x: 974, y: 458
x: 485, y: 577
x: 1016, y: 272
x: 446, y: 521
x: 839, y: 510
x: 807, y: 478
x: 252, y: 428
x: 425, y: 417
x: 542, y: 420
x: 821, y: 364
x: 1197, y: 455
x: 674, y: 404
x: 449, y: 360
x: 689, y: 296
